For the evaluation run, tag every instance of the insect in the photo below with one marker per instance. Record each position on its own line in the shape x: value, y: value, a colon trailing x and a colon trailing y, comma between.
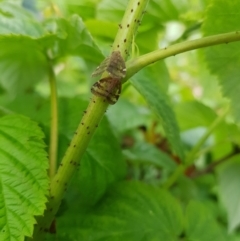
x: 109, y: 88
x: 113, y: 64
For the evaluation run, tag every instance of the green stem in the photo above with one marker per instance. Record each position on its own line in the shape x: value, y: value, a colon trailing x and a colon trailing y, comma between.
x: 53, y: 145
x: 134, y: 65
x: 193, y: 153
x: 129, y: 25
x: 87, y: 126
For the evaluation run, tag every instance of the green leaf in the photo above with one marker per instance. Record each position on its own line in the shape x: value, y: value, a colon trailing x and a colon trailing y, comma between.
x: 146, y: 153
x: 102, y: 28
x: 224, y: 60
x: 121, y: 114
x: 130, y: 211
x: 193, y: 114
x: 74, y: 39
x: 151, y: 90
x: 200, y: 224
x: 103, y: 162
x: 16, y: 20
x: 84, y: 8
x: 22, y: 63
x: 101, y: 166
x: 23, y: 175
x: 229, y: 179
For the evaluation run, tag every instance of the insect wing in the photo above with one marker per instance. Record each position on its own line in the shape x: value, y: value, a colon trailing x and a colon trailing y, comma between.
x: 116, y: 66
x: 101, y: 68
x: 109, y: 88
x: 113, y: 98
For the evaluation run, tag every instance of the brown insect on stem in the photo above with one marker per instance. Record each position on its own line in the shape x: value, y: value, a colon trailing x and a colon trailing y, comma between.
x: 113, y: 64
x: 108, y: 88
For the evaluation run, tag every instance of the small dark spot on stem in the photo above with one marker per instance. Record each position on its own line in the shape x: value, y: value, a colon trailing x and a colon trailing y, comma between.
x: 52, y: 197
x: 57, y: 181
x: 82, y: 123
x: 125, y: 40
x: 138, y: 3
x: 131, y: 10
x: 61, y: 164
x: 96, y: 126
x: 118, y: 45
x: 74, y: 146
x: 128, y: 26
x: 135, y: 20
x: 75, y: 133
x: 87, y: 127
x: 88, y: 133
x: 120, y: 26
x: 85, y: 112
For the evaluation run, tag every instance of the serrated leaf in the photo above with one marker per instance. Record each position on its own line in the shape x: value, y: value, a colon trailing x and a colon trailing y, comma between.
x: 130, y: 211
x: 23, y: 174
x: 200, y: 224
x: 229, y: 179
x: 150, y: 89
x: 224, y: 60
x: 103, y: 162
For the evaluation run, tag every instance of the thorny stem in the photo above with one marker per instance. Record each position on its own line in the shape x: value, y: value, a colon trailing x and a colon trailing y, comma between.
x: 129, y: 25
x: 88, y: 124
x: 190, y: 158
x: 53, y: 145
x: 134, y: 65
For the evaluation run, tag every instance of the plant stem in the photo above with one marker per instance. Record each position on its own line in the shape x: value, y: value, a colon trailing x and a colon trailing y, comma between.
x: 193, y: 153
x: 190, y: 158
x: 53, y: 145
x: 210, y: 168
x: 87, y: 126
x: 129, y: 25
x: 134, y: 65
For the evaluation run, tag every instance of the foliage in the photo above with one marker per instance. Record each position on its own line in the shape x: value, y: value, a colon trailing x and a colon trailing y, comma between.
x: 163, y: 162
